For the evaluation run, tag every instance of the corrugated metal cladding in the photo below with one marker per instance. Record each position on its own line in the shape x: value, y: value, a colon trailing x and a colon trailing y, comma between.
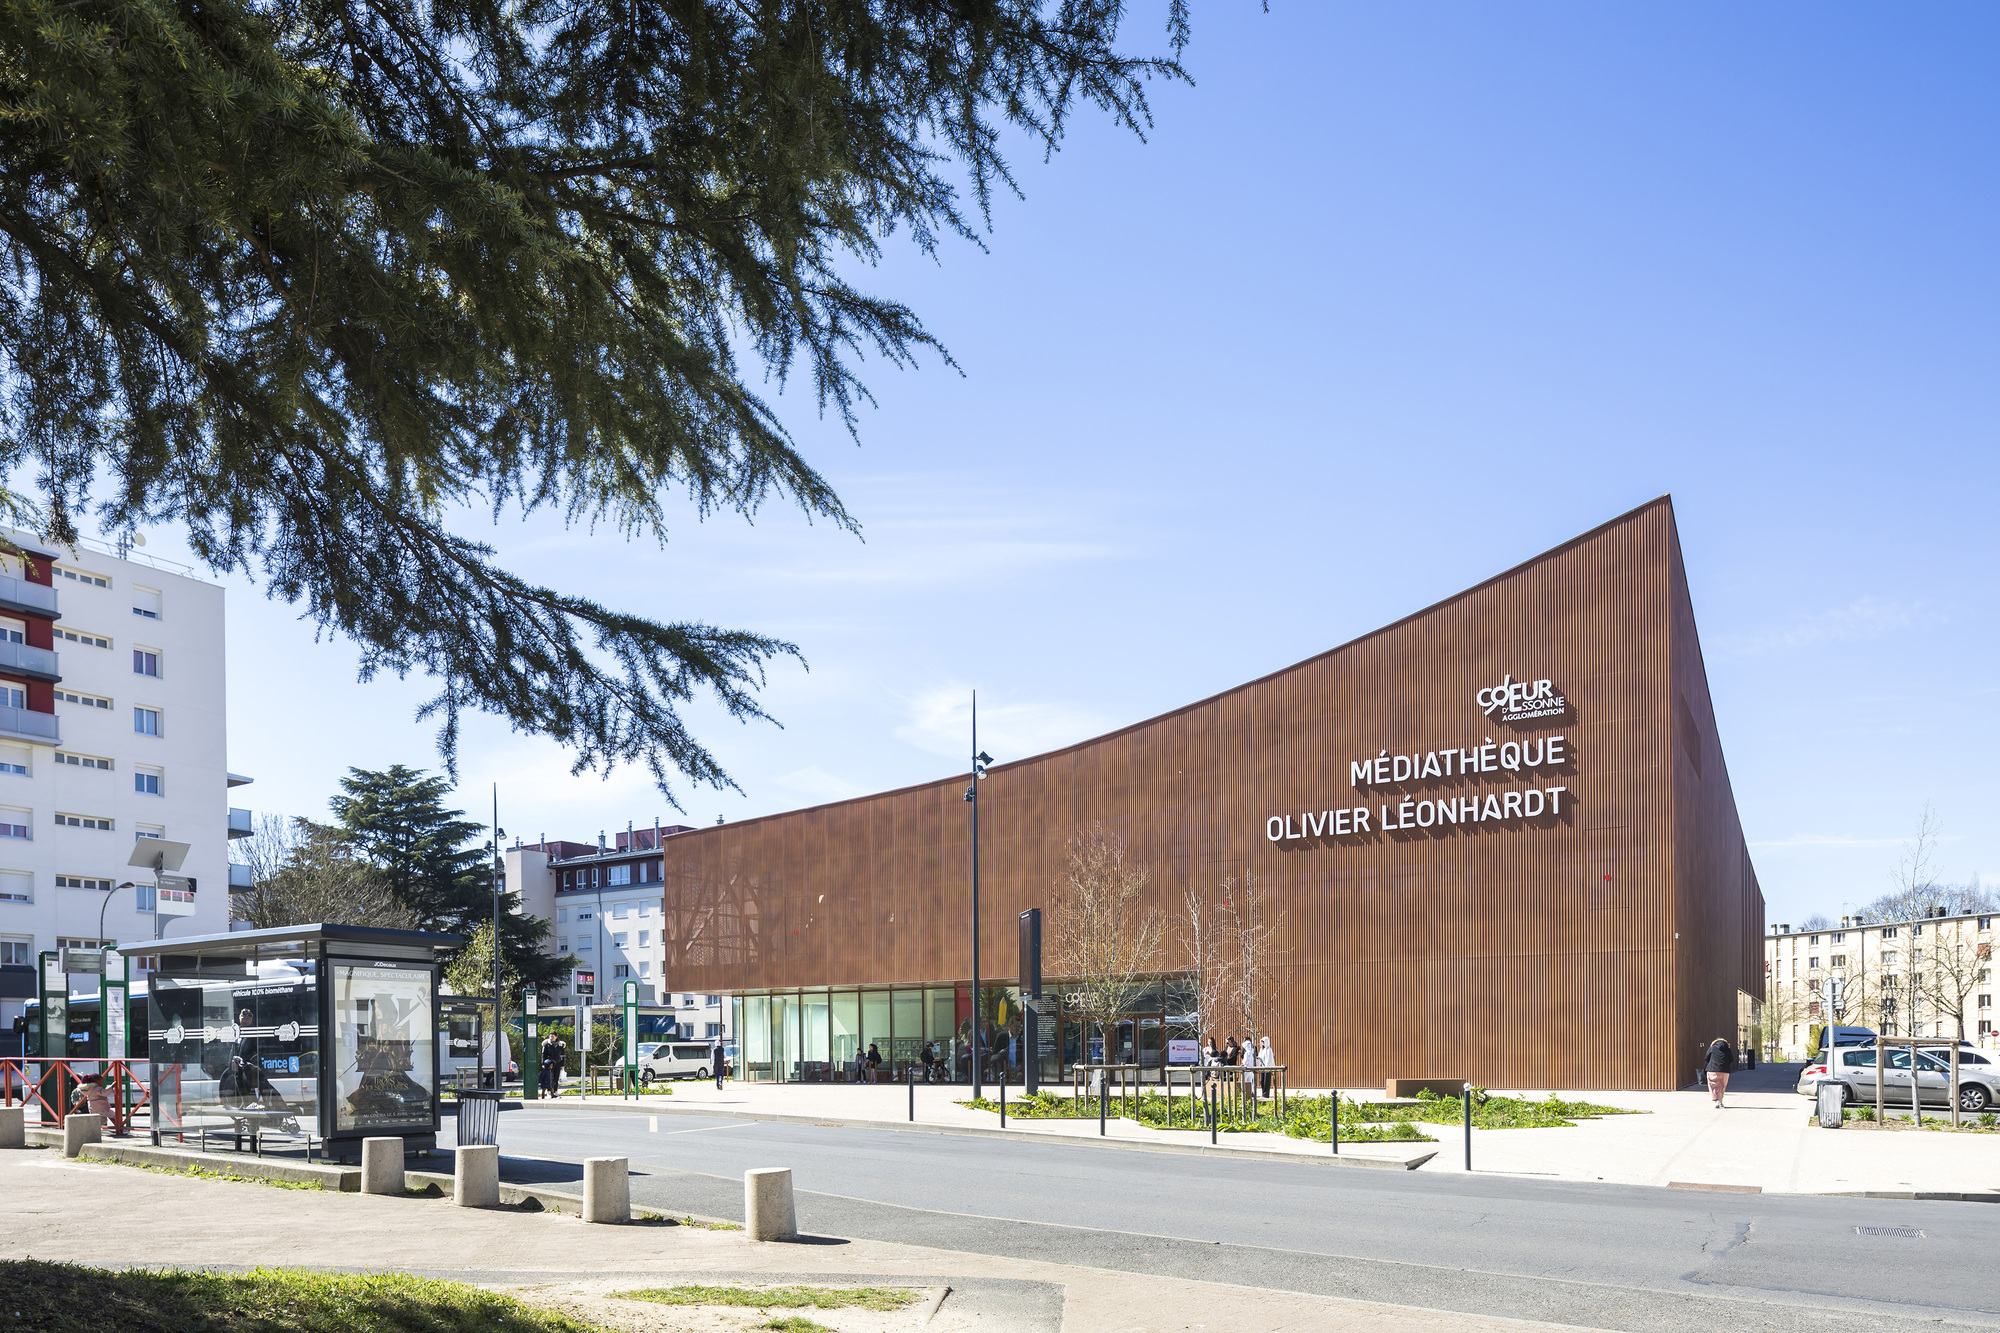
x: 1589, y: 949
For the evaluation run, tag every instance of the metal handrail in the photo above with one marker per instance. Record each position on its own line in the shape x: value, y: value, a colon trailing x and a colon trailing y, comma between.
x: 124, y: 1084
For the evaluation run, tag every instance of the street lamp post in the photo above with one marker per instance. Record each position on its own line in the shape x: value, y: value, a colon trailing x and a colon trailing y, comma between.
x: 980, y: 760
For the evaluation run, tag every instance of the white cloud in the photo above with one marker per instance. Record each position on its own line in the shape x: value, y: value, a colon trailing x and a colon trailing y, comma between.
x: 1865, y: 618
x: 940, y: 723
x: 815, y: 782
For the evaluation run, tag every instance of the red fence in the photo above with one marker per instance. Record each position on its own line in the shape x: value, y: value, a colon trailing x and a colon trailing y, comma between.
x: 51, y: 1086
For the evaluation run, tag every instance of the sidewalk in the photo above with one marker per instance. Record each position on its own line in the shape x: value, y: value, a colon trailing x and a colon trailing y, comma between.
x: 1763, y: 1138
x: 115, y: 1216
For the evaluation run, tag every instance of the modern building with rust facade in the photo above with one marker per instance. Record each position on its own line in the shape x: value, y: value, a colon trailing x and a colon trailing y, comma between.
x: 1497, y: 839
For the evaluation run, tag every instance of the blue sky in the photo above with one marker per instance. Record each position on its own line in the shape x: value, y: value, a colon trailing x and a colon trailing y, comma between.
x: 1394, y: 298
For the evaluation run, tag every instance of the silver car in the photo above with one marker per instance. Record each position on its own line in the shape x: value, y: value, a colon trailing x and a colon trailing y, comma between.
x: 1854, y: 1070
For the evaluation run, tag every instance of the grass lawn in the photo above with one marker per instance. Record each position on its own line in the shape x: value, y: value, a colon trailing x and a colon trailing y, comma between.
x: 69, y: 1298
x: 777, y: 1298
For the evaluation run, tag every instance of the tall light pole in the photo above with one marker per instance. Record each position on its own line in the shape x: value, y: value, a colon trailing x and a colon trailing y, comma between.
x: 493, y: 869
x: 980, y: 760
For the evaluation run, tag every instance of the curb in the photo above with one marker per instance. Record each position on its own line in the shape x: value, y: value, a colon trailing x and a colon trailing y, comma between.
x: 554, y: 1201
x: 343, y: 1180
x: 1910, y: 1194
x: 1405, y: 1163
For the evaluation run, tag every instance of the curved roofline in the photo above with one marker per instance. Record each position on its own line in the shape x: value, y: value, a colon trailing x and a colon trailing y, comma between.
x: 1666, y: 499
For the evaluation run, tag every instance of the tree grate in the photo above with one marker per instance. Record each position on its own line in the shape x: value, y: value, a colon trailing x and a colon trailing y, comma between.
x: 1907, y: 1233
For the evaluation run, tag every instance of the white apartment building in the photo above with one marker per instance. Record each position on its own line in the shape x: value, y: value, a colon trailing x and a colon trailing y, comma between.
x: 604, y: 903
x: 112, y: 730
x: 1892, y: 976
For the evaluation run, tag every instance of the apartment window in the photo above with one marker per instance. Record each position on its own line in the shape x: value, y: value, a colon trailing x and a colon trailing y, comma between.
x: 149, y: 830
x: 645, y: 969
x: 714, y: 1031
x: 618, y: 940
x: 146, y: 721
x: 562, y: 915
x: 711, y: 1000
x: 145, y: 662
x: 584, y: 916
x: 83, y: 761
x: 1916, y: 956
x: 645, y: 909
x: 583, y: 944
x: 14, y: 761
x: 618, y: 875
x: 645, y: 938
x: 1984, y: 974
x: 687, y: 1001
x: 1838, y: 960
x: 1986, y: 923
x: 147, y: 784
x: 17, y: 886
x: 13, y: 697
x: 1813, y: 985
x: 89, y: 640
x: 1889, y: 958
x: 1812, y: 963
x: 1888, y: 932
x: 146, y: 602
x: 84, y: 944
x: 11, y: 631
x: 562, y: 944
x: 1836, y: 937
x: 1812, y: 939
x: 13, y: 830
x: 83, y: 882
x: 1986, y: 1002
x: 620, y: 970
x: 85, y: 821
x: 621, y: 910
x: 87, y: 700
x: 79, y: 576
x: 19, y: 953
x: 146, y: 894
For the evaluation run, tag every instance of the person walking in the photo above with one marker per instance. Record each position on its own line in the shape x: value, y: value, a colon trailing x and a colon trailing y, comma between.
x: 1266, y: 1061
x: 716, y: 1057
x: 1232, y: 1058
x: 561, y: 1057
x: 1721, y: 1059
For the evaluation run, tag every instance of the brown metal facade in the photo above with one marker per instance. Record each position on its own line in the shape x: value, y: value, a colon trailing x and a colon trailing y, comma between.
x: 1591, y: 948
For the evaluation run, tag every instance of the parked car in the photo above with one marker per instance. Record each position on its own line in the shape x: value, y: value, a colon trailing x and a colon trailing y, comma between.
x: 646, y: 1049
x: 677, y: 1059
x: 1978, y: 1077
x: 1834, y: 1037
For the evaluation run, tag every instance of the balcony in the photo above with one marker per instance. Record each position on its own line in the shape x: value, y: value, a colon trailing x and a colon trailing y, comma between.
x: 239, y: 823
x: 21, y: 595
x: 22, y: 660
x: 239, y: 877
x: 27, y: 725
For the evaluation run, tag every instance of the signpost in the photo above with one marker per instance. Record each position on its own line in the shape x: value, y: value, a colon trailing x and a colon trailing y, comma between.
x: 531, y: 1067
x: 116, y: 992
x: 1031, y: 1002
x: 55, y: 1007
x: 631, y: 1088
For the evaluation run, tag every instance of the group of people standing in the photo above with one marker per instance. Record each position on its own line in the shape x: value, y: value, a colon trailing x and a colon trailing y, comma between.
x: 1239, y: 1055
x: 553, y: 1055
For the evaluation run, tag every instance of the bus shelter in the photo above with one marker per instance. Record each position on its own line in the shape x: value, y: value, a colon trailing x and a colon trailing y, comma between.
x: 324, y: 1032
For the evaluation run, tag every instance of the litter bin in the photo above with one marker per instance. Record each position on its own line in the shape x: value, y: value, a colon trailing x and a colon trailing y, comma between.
x: 478, y: 1118
x: 1832, y: 1099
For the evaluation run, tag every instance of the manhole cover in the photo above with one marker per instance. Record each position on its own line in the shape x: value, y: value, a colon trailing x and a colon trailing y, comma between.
x: 1909, y: 1233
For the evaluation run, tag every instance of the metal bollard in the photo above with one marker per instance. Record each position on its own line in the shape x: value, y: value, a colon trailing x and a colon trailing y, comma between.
x: 910, y: 1077
x: 1334, y: 1134
x: 1468, y: 1126
x: 1210, y: 1099
x: 1103, y: 1099
x: 1003, y: 1103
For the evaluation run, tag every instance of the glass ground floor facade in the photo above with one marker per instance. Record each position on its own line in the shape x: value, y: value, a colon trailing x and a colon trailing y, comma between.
x: 825, y: 1035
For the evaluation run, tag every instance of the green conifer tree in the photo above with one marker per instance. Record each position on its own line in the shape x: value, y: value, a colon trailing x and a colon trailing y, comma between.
x: 308, y: 277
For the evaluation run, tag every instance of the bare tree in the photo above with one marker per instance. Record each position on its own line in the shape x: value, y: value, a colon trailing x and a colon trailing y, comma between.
x: 1252, y: 946
x: 1103, y: 941
x: 1817, y: 921
x: 1204, y: 943
x: 1951, y: 967
x: 303, y: 872
x: 1917, y: 892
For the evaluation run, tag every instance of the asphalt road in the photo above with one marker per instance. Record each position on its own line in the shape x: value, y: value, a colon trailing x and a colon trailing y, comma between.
x: 1611, y: 1256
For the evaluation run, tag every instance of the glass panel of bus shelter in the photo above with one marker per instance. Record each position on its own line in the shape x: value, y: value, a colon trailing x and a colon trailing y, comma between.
x: 235, y: 1047
x: 784, y: 1038
x: 384, y: 1046
x: 1152, y: 1046
x: 875, y: 1023
x: 814, y: 1054
x: 908, y: 1017
x: 1006, y: 1029
x: 941, y: 1030
x: 846, y: 1034
x: 753, y: 1032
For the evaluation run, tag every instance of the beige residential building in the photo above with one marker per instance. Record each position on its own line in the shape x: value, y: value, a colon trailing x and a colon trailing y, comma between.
x: 1926, y: 978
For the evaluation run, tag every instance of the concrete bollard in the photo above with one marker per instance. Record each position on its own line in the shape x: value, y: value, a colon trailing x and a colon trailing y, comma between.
x: 607, y: 1189
x: 13, y: 1126
x: 79, y: 1130
x: 475, y: 1176
x: 382, y: 1166
x: 767, y: 1204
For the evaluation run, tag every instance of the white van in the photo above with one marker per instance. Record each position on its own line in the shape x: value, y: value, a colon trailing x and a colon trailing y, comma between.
x: 676, y: 1059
